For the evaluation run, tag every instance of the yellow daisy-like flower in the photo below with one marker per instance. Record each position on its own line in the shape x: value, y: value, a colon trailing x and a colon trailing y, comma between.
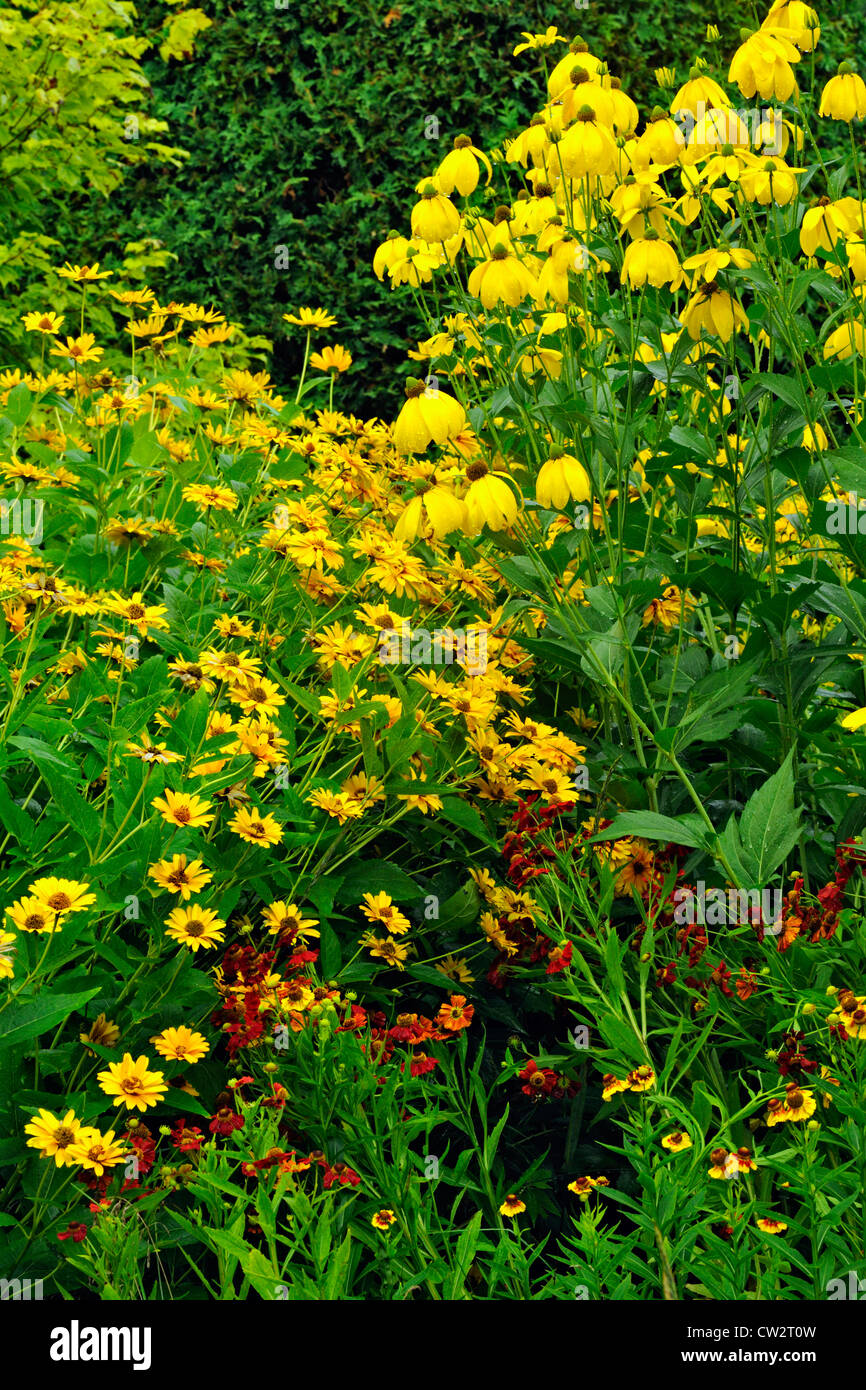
x: 195, y: 927
x: 387, y: 949
x: 336, y: 804
x: 96, y: 1151
x: 771, y: 1227
x: 83, y: 274
x: 7, y: 953
x: 132, y: 1084
x: 311, y: 318
x: 135, y: 610
x: 287, y: 917
x: 331, y: 359
x: 545, y: 40
x: 148, y: 752
x: 677, y: 1141
x: 63, y: 895
x: 29, y: 914
x: 584, y: 1187
x: 512, y: 1206
x: 78, y: 350
x: 255, y: 828
x: 181, y: 1045
x: 180, y: 875
x: 612, y: 1086
x: 179, y: 808
x: 641, y: 1079
x: 43, y: 323
x: 103, y: 1031
x: 52, y: 1137
x: 383, y: 1219
x: 798, y: 1105
x: 378, y: 907
x: 218, y: 499
x: 257, y: 696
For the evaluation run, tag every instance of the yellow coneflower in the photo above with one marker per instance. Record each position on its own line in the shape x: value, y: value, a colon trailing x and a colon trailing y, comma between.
x: 130, y: 1083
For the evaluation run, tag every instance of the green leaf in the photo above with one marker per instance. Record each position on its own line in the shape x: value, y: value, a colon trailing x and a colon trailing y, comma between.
x: 649, y: 825
x: 621, y: 1037
x: 377, y: 876
x: 465, y: 817
x: 21, y: 1022
x: 769, y: 825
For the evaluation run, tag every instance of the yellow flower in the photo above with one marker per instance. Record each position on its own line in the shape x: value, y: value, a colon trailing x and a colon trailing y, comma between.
x: 561, y: 478
x: 7, y: 954
x: 97, y: 1151
x: 179, y: 808
x: 383, y: 1219
x: 336, y: 804
x: 677, y: 1142
x: 195, y: 927
x: 429, y: 415
x: 434, y: 218
x: 130, y: 1083
x: 714, y: 312
x: 585, y: 1186
x: 379, y: 908
x: 489, y: 501
x: 288, y: 917
x: 502, y: 280
x: 53, y: 1137
x: 641, y: 1079
x: 771, y: 1227
x: 142, y: 615
x: 255, y: 828
x: 30, y: 914
x: 180, y: 875
x: 512, y: 1206
x: 612, y: 1086
x: 311, y: 318
x: 218, y: 499
x: 79, y: 350
x: 63, y: 894
x: 103, y: 1032
x: 762, y: 66
x: 459, y: 169
x: 83, y: 274
x: 387, y: 949
x: 651, y: 261
x: 436, y: 508
x: 43, y: 323
x: 331, y: 359
x: 844, y: 97
x: 545, y: 40
x: 180, y: 1044
x: 257, y: 696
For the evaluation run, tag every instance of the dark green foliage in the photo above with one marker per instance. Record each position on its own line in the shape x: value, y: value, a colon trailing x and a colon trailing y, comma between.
x: 306, y: 131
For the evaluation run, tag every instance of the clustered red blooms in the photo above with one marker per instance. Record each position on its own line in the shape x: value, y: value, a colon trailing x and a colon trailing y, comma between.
x: 793, y: 1055
x: 543, y: 1083
x: 819, y: 921
x: 241, y: 980
x: 526, y: 856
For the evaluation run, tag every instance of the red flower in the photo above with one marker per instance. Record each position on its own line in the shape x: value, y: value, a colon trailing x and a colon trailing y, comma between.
x: 77, y: 1232
x: 340, y: 1173
x: 560, y: 959
x: 225, y: 1121
x: 187, y: 1138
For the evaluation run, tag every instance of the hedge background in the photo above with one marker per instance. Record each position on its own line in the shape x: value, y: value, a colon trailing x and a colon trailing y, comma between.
x: 305, y: 127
